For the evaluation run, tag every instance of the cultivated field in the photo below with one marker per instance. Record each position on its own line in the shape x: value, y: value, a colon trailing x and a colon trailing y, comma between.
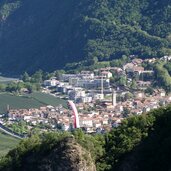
x: 16, y: 102
x: 48, y: 99
x: 34, y: 100
x: 7, y: 143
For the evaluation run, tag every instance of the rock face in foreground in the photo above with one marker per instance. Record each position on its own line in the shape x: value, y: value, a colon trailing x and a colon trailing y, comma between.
x: 67, y: 156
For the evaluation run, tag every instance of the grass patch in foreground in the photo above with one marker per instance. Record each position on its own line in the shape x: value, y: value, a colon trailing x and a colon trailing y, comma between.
x: 7, y: 143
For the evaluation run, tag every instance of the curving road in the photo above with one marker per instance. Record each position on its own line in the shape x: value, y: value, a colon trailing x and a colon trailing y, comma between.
x: 10, y: 132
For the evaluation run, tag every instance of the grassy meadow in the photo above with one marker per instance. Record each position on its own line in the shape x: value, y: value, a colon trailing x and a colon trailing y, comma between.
x: 7, y: 143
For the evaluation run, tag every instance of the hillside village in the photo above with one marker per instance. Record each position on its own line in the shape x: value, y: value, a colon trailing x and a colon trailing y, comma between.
x: 101, y: 101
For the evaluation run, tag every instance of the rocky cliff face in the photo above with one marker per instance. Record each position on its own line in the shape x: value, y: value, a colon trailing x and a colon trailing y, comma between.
x: 67, y: 156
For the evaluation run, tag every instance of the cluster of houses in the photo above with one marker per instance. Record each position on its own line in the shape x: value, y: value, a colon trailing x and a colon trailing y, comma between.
x: 100, y: 105
x: 93, y: 117
x: 89, y: 86
x: 61, y: 118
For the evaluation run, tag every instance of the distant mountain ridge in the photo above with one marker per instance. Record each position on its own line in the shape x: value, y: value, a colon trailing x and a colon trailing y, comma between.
x: 41, y: 34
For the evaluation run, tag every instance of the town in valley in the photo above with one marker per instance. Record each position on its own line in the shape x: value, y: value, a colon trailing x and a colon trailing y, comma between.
x: 102, y: 98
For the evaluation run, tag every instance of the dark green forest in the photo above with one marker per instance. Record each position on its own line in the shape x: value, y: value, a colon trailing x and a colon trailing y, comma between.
x: 41, y: 34
x: 139, y: 143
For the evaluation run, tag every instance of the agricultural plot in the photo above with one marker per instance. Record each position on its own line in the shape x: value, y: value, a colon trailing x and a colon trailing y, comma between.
x: 17, y: 102
x: 34, y: 100
x: 7, y: 143
x: 48, y: 99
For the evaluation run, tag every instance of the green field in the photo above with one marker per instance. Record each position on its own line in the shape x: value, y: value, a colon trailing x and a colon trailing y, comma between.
x: 7, y: 79
x: 35, y: 100
x: 7, y: 143
x: 48, y: 99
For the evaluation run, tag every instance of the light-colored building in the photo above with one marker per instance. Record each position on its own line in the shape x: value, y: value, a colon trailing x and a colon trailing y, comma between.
x: 106, y: 74
x: 50, y: 83
x: 98, y: 96
x: 76, y: 93
x: 87, y: 122
x: 93, y: 84
x: 86, y: 99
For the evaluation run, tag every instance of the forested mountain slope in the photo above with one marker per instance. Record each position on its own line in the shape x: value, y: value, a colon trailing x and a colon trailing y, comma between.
x: 48, y: 34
